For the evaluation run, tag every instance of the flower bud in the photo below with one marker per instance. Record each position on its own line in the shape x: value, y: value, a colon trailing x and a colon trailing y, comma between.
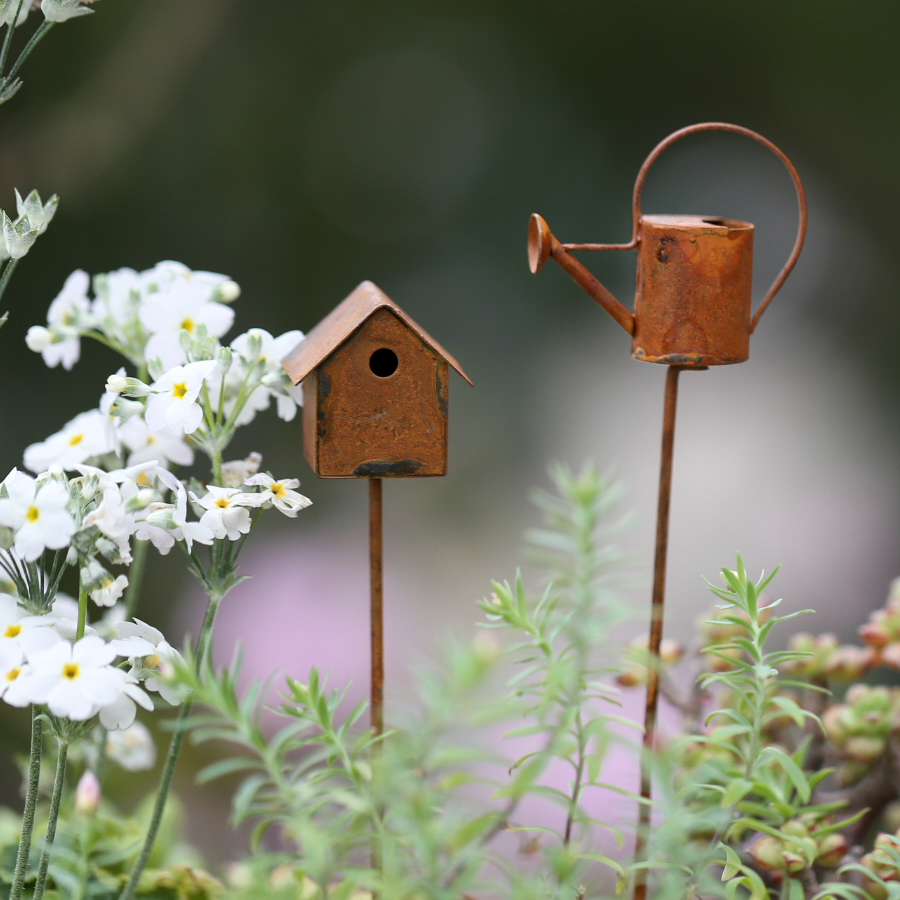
x: 768, y: 853
x: 38, y: 338
x: 226, y: 292
x: 224, y: 358
x: 832, y: 849
x: 87, y: 793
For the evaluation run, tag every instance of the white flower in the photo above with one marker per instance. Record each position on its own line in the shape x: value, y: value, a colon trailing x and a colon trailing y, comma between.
x: 132, y: 748
x: 237, y: 471
x: 18, y: 236
x: 117, y: 300
x: 182, y: 306
x: 60, y: 10
x: 39, y: 214
x: 37, y: 513
x: 138, y: 640
x: 146, y: 444
x: 120, y: 712
x: 174, y: 518
x: 113, y: 520
x: 67, y: 315
x: 260, y: 349
x: 226, y: 511
x: 153, y: 526
x: 280, y: 494
x: 103, y: 588
x: 74, y: 680
x: 28, y: 634
x: 173, y: 407
x: 84, y: 437
x: 71, y: 307
x: 12, y: 666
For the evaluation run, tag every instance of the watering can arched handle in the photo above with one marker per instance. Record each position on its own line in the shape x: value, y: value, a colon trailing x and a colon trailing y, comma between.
x: 737, y: 129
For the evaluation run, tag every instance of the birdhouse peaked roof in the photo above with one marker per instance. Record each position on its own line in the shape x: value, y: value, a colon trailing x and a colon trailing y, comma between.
x: 342, y: 322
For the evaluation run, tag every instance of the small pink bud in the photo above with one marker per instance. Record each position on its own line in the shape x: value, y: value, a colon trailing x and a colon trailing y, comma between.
x: 87, y: 793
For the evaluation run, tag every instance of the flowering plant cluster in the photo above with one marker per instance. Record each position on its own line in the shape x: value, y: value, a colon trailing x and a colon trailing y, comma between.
x: 105, y: 487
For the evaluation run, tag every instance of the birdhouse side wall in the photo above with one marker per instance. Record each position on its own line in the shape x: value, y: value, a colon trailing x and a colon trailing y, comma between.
x: 310, y: 403
x: 375, y: 421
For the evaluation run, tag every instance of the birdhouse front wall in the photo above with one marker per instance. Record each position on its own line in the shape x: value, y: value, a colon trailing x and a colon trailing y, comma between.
x: 380, y: 402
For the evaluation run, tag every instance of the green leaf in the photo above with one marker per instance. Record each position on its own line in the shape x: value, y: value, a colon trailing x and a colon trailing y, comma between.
x: 736, y: 790
x: 791, y: 769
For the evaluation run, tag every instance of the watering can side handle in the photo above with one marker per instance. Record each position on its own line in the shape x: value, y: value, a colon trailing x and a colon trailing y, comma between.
x: 747, y: 132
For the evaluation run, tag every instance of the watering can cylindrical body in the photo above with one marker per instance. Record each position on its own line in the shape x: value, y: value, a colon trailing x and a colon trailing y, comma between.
x: 692, y: 291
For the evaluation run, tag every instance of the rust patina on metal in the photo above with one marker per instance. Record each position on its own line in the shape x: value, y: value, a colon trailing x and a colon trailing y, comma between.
x: 692, y: 310
x: 375, y: 391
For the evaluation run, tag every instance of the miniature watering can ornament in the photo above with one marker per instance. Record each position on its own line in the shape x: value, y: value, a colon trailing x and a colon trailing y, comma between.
x: 692, y: 304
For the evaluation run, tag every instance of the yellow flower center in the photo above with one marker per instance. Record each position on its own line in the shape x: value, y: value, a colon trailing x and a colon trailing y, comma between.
x: 152, y: 661
x: 151, y: 440
x: 223, y: 503
x: 75, y: 439
x: 12, y: 674
x: 179, y: 390
x: 277, y: 489
x: 33, y: 514
x: 12, y: 631
x: 142, y: 479
x: 188, y: 324
x: 70, y: 671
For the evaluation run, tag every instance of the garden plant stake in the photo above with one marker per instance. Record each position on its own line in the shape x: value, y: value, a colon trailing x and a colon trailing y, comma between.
x: 691, y: 311
x: 375, y: 395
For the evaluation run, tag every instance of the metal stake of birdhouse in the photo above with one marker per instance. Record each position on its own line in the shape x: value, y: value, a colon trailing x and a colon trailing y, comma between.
x: 375, y: 400
x: 692, y: 310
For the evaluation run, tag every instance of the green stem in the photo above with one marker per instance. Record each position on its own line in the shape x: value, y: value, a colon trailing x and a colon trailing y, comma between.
x: 58, y: 781
x: 82, y: 612
x: 216, y: 457
x: 7, y: 274
x: 165, y: 781
x: 46, y: 25
x: 135, y: 577
x: 34, y: 774
x: 8, y: 39
x: 576, y: 781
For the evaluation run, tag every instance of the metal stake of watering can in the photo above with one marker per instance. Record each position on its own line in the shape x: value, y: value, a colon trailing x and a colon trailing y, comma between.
x: 692, y: 309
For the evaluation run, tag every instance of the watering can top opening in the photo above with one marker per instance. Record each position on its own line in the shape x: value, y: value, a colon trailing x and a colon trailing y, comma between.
x: 711, y: 224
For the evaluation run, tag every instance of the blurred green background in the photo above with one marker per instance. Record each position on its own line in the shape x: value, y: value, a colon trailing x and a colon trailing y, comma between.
x: 302, y: 147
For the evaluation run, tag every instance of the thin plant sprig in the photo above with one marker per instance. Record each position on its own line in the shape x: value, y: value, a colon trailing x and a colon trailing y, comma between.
x: 749, y: 786
x: 560, y: 671
x: 53, y: 12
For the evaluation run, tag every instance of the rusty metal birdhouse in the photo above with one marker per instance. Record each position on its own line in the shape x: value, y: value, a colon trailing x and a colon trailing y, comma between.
x: 375, y: 391
x: 693, y: 274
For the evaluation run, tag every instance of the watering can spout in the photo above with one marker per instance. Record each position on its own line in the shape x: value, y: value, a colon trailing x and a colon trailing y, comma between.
x: 542, y: 245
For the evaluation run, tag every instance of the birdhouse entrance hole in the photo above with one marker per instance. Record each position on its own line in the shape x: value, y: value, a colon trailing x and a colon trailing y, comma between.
x: 383, y: 362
